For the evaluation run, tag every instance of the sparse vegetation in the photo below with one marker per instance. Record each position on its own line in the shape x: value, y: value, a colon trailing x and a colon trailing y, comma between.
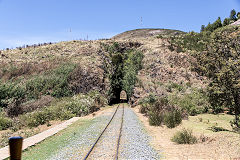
x: 78, y: 105
x: 160, y: 111
x: 184, y: 136
x: 5, y: 122
x: 217, y: 129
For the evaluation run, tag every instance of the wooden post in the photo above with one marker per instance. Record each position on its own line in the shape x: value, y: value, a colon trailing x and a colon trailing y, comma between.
x: 15, y: 146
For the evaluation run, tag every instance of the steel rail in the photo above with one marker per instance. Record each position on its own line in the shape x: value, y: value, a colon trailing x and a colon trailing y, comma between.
x: 89, y: 152
x: 120, y: 135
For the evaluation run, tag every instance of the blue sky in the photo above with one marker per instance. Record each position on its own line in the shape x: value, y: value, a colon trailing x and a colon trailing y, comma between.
x: 37, y: 21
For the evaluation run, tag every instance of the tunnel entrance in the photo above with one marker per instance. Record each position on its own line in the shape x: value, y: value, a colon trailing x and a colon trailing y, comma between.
x: 121, y: 66
x: 123, y: 97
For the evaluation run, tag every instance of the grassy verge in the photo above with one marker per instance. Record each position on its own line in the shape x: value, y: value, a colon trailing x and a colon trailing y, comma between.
x: 78, y: 136
x: 203, y: 122
x: 52, y: 144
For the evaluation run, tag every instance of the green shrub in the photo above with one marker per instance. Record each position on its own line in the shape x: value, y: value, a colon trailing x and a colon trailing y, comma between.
x: 36, y: 118
x: 10, y: 92
x: 62, y: 113
x: 217, y: 109
x: 53, y: 83
x: 184, y: 137
x: 193, y: 111
x: 172, y: 119
x: 191, y: 41
x: 5, y: 122
x: 99, y: 99
x: 175, y: 86
x: 162, y: 111
x: 144, y: 108
x: 64, y: 109
x: 155, y: 118
x: 194, y: 103
x: 150, y: 99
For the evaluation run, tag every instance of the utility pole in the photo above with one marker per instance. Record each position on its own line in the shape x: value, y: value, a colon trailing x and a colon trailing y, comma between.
x: 141, y: 22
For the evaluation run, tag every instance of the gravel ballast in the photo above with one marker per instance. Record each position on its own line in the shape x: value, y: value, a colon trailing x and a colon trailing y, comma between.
x: 135, y: 141
x: 107, y: 145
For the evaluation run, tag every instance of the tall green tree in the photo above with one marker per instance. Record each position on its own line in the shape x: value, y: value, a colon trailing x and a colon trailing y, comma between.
x: 131, y: 67
x: 233, y: 15
x: 202, y: 28
x: 209, y: 27
x: 221, y: 64
x: 217, y: 24
x: 226, y: 21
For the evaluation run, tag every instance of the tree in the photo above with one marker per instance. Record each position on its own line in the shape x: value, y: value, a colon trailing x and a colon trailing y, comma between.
x: 221, y: 64
x: 233, y: 15
x: 202, y: 28
x: 226, y: 22
x: 209, y: 27
x: 131, y: 67
x: 217, y: 24
x: 238, y: 15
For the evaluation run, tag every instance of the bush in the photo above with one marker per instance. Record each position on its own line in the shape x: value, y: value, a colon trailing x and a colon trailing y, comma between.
x: 66, y: 108
x: 10, y: 92
x: 150, y: 99
x: 184, y: 137
x: 162, y: 111
x: 54, y: 83
x: 194, y: 103
x: 176, y: 86
x: 172, y: 119
x: 144, y: 108
x: 62, y: 113
x: 36, y: 118
x: 4, y: 122
x: 155, y: 118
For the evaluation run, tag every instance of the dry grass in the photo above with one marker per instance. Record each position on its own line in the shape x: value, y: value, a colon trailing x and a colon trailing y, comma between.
x: 25, y: 132
x: 212, y: 145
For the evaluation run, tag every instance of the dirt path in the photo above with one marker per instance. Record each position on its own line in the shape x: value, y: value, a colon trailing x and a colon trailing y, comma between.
x: 223, y: 145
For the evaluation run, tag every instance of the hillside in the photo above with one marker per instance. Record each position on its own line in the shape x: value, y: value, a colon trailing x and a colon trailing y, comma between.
x: 145, y: 33
x: 161, y: 64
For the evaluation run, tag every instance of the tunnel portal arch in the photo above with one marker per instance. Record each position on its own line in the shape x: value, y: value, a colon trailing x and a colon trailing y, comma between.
x: 123, y: 96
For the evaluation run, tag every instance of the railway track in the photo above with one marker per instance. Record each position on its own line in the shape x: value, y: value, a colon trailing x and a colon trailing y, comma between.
x: 94, y: 151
